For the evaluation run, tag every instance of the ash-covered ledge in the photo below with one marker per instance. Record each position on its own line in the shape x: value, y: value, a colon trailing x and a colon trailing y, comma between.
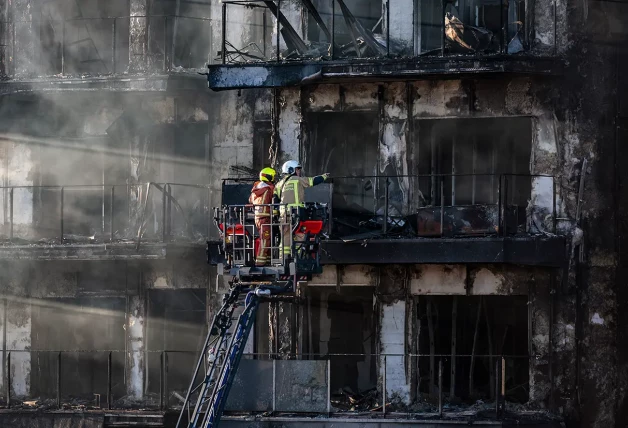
x: 105, y: 251
x: 164, y: 82
x: 529, y: 251
x: 282, y: 74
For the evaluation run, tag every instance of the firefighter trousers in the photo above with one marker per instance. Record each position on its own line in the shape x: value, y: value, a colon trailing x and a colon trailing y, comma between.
x: 286, y: 239
x: 263, y: 224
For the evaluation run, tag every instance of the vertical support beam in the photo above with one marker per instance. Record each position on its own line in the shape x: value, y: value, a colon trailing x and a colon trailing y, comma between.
x: 164, y: 201
x: 454, y: 325
x: 493, y: 157
x: 13, y: 53
x: 275, y: 387
x: 430, y: 328
x: 111, y: 214
x: 277, y: 27
x: 109, y: 376
x: 8, y: 380
x: 474, y: 169
x: 442, y: 204
x: 328, y: 388
x: 489, y: 335
x: 166, y: 390
x: 440, y: 387
x: 554, y: 214
x: 5, y: 367
x: 387, y: 33
x: 333, y: 29
x: 386, y: 201
x: 443, y: 29
x: 135, y: 338
x: 175, y: 27
x: 162, y: 369
x: 165, y: 44
x: 550, y: 344
x: 138, y: 35
x: 502, y: 382
x: 61, y: 222
x: 11, y: 218
x: 62, y: 46
x: 504, y: 207
x: 433, y: 168
x: 453, y: 171
x: 475, y: 341
x: 59, y: 380
x: 224, y: 33
x: 114, y: 42
x: 384, y: 386
x: 502, y: 26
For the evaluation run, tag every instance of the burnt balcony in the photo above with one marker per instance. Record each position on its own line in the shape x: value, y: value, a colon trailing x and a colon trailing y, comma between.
x: 103, y: 222
x: 275, y: 43
x: 435, y: 218
x: 157, y: 52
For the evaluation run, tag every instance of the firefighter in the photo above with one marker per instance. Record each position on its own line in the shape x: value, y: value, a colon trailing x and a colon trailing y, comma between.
x: 262, y: 194
x: 290, y: 192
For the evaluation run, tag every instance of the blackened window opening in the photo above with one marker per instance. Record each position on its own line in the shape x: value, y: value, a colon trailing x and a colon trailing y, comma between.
x: 343, y: 323
x: 479, y: 152
x: 486, y: 327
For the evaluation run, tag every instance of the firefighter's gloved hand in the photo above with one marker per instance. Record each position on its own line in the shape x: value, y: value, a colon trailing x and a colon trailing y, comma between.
x: 326, y: 176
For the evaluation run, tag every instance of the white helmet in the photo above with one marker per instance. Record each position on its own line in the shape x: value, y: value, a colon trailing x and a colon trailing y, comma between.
x: 290, y: 166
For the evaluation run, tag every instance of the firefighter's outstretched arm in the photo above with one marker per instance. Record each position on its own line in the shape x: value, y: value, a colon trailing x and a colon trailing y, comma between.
x: 314, y: 181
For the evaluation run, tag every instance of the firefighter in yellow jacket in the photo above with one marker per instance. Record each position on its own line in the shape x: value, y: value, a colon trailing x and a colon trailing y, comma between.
x: 290, y: 192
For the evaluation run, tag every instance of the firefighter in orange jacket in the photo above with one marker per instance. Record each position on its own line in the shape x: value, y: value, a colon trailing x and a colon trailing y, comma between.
x: 262, y: 194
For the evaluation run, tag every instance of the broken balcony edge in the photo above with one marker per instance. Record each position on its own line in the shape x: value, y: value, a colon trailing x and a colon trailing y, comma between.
x: 301, y: 73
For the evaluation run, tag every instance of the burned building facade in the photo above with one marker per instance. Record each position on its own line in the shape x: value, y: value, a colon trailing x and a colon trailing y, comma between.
x: 475, y: 251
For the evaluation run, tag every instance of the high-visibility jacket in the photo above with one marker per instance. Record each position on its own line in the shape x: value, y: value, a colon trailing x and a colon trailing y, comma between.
x: 262, y: 194
x: 291, y: 190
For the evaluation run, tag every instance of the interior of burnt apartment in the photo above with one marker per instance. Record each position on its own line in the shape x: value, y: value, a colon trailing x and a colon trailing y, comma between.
x: 359, y: 28
x: 456, y: 166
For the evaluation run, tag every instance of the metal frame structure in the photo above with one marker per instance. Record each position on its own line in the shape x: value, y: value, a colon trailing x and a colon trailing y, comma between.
x: 361, y: 36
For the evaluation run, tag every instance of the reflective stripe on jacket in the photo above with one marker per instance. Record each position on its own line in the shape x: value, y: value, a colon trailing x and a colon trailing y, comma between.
x: 291, y: 189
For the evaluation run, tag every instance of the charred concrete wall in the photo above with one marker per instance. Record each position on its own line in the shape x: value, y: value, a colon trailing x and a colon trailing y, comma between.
x: 574, y: 322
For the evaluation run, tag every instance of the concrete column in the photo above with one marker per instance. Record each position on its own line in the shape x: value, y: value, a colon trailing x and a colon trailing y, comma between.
x: 135, y: 345
x: 281, y: 328
x: 392, y: 341
x: 26, y: 48
x: 16, y: 337
x: 393, y: 146
x: 290, y: 119
x: 540, y: 335
x: 392, y: 290
x: 401, y: 23
x: 138, y: 36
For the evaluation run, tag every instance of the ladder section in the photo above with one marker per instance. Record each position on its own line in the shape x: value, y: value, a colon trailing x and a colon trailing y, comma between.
x: 219, y: 359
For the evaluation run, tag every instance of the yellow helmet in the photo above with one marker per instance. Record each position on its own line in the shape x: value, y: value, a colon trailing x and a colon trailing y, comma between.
x: 267, y: 175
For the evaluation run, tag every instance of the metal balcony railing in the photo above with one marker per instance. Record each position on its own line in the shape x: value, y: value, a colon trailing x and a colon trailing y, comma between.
x: 153, y: 212
x: 431, y: 205
x: 498, y: 380
x: 272, y: 31
x: 439, y: 205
